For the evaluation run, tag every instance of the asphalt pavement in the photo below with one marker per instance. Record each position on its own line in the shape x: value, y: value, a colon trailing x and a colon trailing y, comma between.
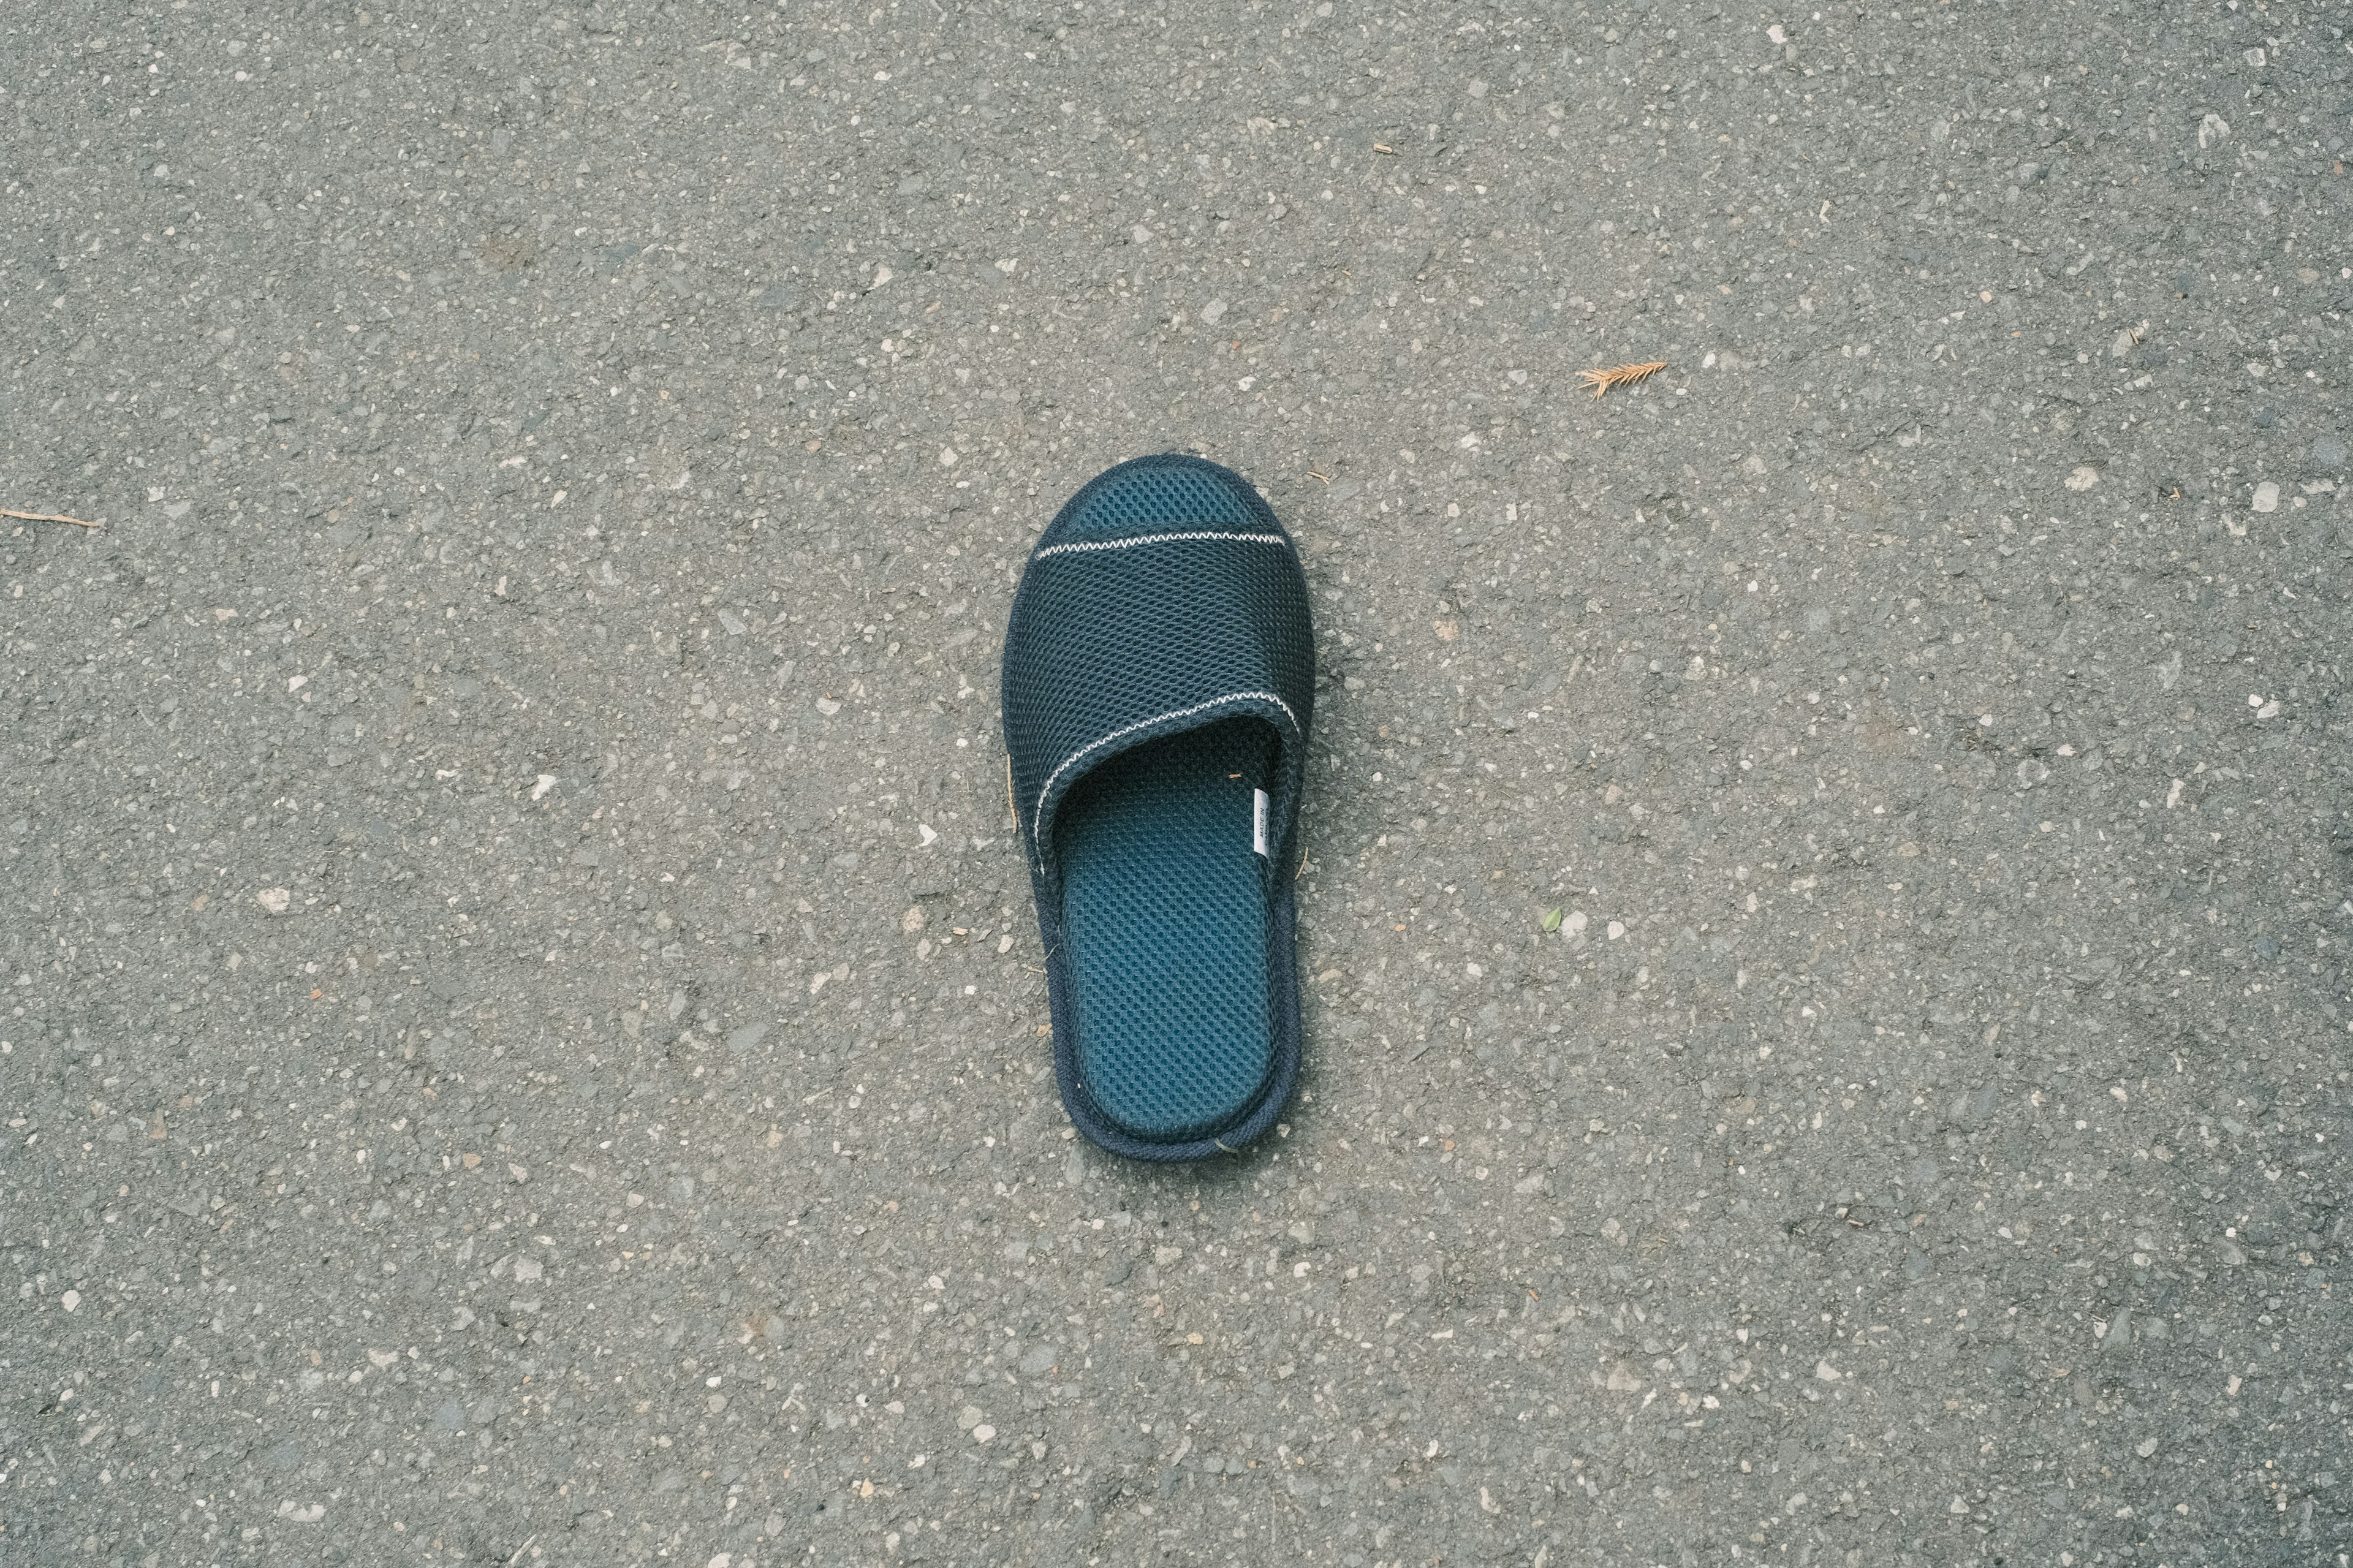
x: 1826, y: 910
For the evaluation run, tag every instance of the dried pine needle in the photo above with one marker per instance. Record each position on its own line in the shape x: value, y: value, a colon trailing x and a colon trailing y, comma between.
x: 1602, y: 381
x: 48, y: 517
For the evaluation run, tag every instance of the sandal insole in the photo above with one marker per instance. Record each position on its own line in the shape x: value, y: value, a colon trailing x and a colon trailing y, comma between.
x: 1164, y: 926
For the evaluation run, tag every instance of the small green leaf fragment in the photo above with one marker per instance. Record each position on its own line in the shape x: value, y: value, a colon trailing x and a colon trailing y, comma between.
x: 1552, y: 920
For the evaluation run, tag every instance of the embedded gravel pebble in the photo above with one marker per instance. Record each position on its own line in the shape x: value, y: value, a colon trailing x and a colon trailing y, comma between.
x: 1830, y: 873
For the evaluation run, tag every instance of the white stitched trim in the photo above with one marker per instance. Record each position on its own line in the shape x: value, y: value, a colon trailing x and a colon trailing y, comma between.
x: 1158, y: 539
x: 1038, y: 818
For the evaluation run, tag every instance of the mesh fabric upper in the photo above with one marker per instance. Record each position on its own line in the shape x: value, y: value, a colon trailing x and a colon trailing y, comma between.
x: 1151, y: 499
x: 1107, y: 649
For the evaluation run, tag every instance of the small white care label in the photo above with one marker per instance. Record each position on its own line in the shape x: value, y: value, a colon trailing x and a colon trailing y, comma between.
x: 1258, y: 821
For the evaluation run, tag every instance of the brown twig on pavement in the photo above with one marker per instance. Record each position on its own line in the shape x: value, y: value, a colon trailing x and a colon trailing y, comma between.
x: 48, y: 517
x: 1602, y: 381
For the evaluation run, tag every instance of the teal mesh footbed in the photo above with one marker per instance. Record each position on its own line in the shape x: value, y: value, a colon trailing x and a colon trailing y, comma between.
x: 1159, y: 670
x: 1165, y: 929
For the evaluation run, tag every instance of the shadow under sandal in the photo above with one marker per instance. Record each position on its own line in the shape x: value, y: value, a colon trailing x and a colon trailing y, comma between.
x: 1159, y: 678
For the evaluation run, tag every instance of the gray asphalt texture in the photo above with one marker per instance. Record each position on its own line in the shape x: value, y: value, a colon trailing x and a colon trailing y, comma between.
x: 524, y: 1034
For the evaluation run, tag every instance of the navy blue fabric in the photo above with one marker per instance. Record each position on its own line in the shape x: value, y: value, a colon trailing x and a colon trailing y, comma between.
x: 1159, y: 665
x: 1164, y: 596
x: 1163, y: 920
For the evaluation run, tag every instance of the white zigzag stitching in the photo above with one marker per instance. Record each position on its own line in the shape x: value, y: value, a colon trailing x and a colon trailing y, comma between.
x: 1157, y: 538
